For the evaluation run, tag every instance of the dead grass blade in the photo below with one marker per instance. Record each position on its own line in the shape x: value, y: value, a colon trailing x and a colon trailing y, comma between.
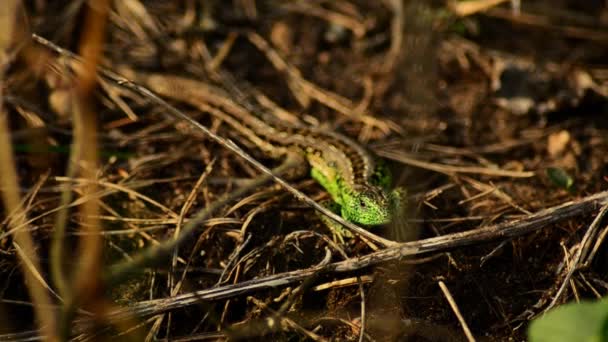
x: 449, y: 169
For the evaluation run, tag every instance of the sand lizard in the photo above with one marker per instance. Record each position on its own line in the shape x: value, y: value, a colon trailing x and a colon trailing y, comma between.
x: 358, y: 186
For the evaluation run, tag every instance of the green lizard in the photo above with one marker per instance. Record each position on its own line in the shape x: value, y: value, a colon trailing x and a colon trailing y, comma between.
x: 357, y: 184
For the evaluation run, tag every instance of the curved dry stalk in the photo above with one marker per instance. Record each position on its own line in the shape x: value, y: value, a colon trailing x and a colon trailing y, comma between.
x: 401, y: 157
x: 60, y: 223
x: 448, y: 296
x: 85, y: 283
x: 355, y: 25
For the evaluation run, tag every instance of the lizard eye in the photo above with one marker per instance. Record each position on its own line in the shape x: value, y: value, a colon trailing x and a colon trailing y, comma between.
x: 362, y: 203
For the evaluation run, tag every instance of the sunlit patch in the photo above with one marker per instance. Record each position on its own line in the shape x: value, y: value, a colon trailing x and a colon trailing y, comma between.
x: 367, y: 205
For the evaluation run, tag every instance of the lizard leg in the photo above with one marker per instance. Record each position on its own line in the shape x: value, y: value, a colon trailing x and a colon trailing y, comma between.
x: 324, y: 175
x: 339, y: 233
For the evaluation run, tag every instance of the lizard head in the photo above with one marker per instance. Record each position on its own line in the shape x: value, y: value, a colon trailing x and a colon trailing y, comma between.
x: 370, y: 205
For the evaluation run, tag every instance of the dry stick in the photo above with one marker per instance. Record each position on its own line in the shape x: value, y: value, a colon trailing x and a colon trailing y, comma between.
x: 22, y: 335
x: 588, y: 257
x: 24, y: 207
x: 363, y: 316
x: 61, y: 219
x: 355, y: 25
x: 496, y: 192
x: 232, y: 260
x: 545, y: 24
x: 345, y: 282
x: 85, y: 134
x: 185, y: 208
x: 591, y: 232
x: 463, y: 9
x: 503, y: 230
x: 446, y: 169
x: 454, y: 306
x: 397, y: 29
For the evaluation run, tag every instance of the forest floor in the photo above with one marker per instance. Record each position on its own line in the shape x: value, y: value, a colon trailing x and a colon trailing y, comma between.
x: 493, y: 120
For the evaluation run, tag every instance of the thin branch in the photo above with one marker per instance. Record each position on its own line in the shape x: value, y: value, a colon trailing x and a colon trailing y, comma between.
x: 456, y: 310
x: 448, y: 169
x: 576, y: 260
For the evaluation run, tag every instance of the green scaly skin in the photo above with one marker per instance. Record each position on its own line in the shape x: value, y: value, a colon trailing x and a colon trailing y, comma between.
x: 369, y: 204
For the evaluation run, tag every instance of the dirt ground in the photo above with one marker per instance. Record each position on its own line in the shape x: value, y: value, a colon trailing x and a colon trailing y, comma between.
x: 493, y: 119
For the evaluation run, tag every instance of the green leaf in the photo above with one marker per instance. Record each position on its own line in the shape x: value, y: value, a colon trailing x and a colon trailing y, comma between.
x: 585, y: 321
x: 560, y: 177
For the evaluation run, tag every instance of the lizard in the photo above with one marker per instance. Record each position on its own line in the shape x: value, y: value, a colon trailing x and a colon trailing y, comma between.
x: 358, y: 184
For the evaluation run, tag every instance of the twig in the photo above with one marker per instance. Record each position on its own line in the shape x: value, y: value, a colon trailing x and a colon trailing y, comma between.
x: 85, y: 286
x: 397, y: 28
x: 446, y: 169
x: 344, y: 282
x: 175, y: 287
x: 585, y: 242
x: 467, y: 8
x: 588, y: 257
x: 363, y: 316
x: 454, y: 306
x: 308, y: 8
x: 543, y: 23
